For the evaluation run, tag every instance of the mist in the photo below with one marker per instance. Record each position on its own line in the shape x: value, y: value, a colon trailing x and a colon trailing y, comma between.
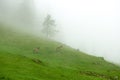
x: 20, y: 15
x: 90, y: 26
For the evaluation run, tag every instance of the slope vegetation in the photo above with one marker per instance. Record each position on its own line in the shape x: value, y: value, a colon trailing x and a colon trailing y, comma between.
x: 18, y: 62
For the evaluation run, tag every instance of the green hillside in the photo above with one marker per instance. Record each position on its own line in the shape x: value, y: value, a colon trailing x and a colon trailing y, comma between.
x: 18, y: 62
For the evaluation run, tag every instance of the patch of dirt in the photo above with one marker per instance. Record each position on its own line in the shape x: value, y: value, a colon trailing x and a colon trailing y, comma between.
x: 89, y: 73
x: 37, y: 61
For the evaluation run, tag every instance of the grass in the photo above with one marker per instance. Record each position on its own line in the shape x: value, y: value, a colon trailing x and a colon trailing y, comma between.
x: 18, y: 62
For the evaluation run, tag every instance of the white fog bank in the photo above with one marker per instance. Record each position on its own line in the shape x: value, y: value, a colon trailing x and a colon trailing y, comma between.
x: 93, y: 26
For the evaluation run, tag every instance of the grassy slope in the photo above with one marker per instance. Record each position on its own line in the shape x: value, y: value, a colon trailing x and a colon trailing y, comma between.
x: 16, y: 60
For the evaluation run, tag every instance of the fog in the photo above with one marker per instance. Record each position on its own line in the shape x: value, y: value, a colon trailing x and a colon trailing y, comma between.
x: 91, y: 26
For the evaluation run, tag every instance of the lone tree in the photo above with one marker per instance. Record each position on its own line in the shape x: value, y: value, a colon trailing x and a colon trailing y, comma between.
x: 49, y: 26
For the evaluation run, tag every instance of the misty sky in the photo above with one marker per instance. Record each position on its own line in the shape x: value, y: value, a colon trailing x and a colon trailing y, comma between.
x: 89, y: 25
x: 92, y: 26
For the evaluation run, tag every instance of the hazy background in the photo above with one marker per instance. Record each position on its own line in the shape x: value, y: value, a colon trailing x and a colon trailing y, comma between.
x: 93, y: 26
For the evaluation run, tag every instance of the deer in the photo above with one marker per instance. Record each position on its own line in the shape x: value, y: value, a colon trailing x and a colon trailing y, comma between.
x: 59, y: 48
x: 36, y: 50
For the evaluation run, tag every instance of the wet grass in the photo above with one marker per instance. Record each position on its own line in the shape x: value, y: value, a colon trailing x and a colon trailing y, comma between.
x: 18, y: 62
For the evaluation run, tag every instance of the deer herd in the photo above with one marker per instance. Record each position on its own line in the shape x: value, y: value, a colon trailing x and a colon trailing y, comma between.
x: 57, y: 49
